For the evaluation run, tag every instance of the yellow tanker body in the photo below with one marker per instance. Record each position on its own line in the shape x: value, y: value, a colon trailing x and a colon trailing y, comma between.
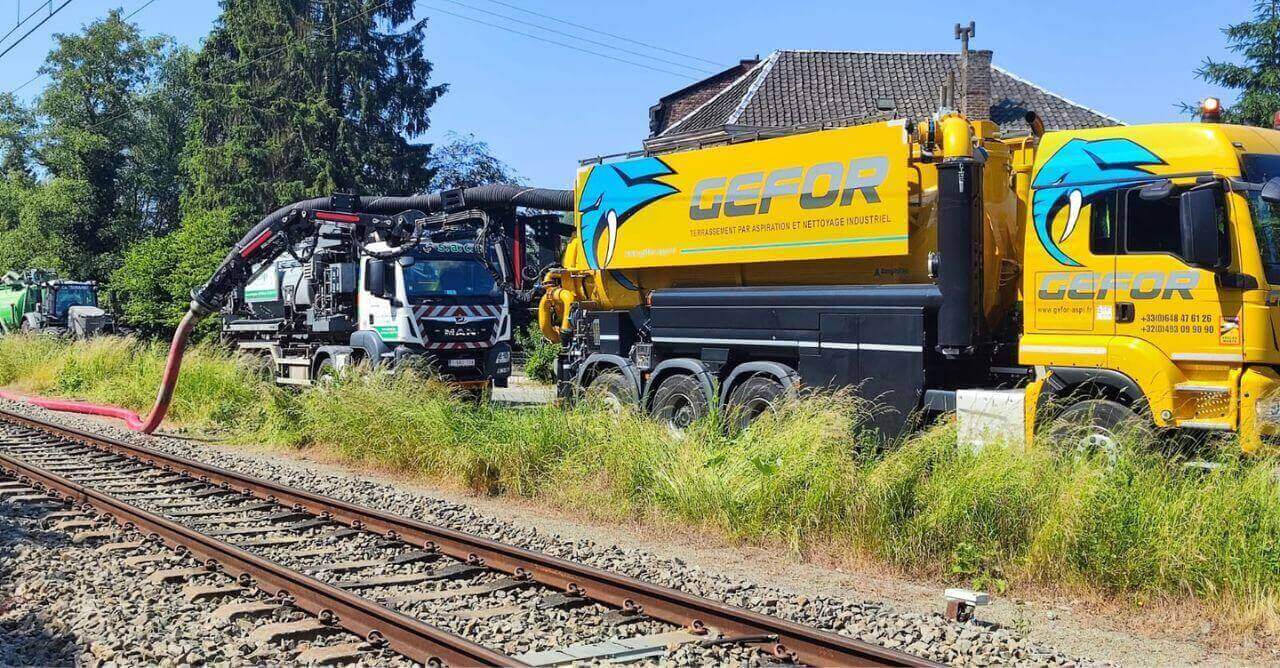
x: 1131, y: 272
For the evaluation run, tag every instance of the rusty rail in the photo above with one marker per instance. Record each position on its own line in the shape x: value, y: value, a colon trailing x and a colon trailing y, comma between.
x: 784, y: 639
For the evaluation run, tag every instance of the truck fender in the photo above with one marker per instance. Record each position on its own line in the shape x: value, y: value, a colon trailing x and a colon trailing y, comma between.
x: 600, y: 361
x: 784, y: 374
x: 371, y: 346
x: 688, y: 364
x: 341, y: 356
x: 1062, y: 378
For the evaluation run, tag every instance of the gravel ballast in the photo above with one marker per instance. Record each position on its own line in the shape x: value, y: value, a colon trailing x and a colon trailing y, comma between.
x: 30, y: 555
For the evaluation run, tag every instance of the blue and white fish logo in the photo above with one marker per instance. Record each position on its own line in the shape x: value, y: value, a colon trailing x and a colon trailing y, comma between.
x: 611, y: 195
x: 1087, y: 171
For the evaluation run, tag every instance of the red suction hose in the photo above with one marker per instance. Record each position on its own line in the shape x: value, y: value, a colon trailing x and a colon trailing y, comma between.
x: 131, y: 419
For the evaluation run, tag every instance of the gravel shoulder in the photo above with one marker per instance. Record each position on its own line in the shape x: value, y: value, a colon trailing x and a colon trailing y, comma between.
x: 864, y: 602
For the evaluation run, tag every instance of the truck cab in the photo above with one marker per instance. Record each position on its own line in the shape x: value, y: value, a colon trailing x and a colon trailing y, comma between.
x: 340, y: 299
x: 440, y: 301
x: 1152, y: 274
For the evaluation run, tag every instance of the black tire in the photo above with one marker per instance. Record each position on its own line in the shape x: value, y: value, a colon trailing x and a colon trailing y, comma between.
x: 326, y: 371
x: 612, y: 389
x: 679, y: 402
x: 752, y: 398
x: 1095, y: 425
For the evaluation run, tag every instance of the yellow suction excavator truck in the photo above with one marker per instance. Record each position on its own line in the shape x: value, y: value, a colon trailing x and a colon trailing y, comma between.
x: 1123, y: 275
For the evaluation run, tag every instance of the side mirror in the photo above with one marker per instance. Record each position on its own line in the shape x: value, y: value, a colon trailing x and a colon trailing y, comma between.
x: 375, y: 278
x: 406, y: 260
x: 1201, y: 245
x: 1271, y: 191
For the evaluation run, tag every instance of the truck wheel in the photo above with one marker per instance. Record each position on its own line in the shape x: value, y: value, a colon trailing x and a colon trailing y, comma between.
x: 326, y: 371
x: 1095, y: 425
x: 613, y: 390
x: 679, y: 402
x: 751, y: 399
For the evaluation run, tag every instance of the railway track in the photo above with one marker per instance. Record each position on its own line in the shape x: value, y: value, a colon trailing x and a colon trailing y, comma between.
x: 433, y: 595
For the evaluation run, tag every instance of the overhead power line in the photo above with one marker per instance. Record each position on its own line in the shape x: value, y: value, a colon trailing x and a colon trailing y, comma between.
x: 37, y: 75
x: 22, y: 21
x: 269, y: 54
x: 135, y: 12
x: 35, y: 27
x: 541, y: 38
x: 562, y: 33
x: 608, y: 34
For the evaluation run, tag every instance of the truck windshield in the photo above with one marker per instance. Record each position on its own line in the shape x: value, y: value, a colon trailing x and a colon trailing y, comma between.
x: 436, y: 278
x: 1266, y: 217
x: 72, y: 295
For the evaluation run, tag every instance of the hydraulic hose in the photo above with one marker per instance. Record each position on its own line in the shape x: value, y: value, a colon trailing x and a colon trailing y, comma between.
x: 131, y: 419
x: 267, y: 240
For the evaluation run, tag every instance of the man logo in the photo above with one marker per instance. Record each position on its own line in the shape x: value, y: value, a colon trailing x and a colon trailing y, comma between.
x: 459, y: 318
x: 818, y: 186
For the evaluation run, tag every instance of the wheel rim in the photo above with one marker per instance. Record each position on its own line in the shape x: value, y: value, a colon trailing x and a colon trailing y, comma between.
x: 681, y: 414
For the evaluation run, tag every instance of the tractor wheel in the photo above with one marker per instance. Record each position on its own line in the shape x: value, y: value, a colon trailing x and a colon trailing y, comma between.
x: 679, y: 402
x: 752, y: 398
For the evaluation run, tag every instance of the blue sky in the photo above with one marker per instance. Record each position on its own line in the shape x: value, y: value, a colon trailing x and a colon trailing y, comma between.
x: 543, y: 106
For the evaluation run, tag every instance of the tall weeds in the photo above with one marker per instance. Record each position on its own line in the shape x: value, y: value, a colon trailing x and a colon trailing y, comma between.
x: 1138, y: 525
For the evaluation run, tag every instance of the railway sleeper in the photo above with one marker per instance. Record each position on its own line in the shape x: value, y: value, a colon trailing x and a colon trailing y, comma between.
x: 325, y: 655
x: 307, y: 627
x: 611, y: 651
x: 360, y: 564
x: 494, y: 586
x: 198, y: 592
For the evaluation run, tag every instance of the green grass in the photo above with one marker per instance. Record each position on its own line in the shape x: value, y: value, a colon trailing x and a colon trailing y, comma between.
x: 1137, y: 529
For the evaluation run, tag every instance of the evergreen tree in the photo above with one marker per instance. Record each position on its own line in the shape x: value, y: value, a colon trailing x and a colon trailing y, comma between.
x: 299, y: 98
x: 1258, y: 80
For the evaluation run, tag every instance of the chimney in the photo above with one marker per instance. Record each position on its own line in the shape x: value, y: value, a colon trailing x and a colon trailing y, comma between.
x: 975, y: 85
x: 975, y: 76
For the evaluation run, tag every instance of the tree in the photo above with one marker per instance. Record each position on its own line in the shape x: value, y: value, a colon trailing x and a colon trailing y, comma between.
x: 90, y: 134
x: 302, y: 98
x: 1258, y: 80
x: 17, y: 125
x: 465, y: 162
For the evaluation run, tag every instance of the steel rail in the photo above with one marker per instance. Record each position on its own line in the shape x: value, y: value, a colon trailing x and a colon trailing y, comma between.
x: 783, y: 638
x: 410, y: 637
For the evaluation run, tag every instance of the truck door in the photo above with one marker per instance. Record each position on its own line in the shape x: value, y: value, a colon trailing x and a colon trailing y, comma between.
x: 375, y: 312
x: 1164, y: 301
x: 1074, y: 300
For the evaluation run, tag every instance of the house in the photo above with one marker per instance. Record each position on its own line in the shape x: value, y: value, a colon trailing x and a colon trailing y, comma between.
x: 795, y: 89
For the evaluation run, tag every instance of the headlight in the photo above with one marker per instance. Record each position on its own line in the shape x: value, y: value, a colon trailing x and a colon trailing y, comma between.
x: 503, y: 357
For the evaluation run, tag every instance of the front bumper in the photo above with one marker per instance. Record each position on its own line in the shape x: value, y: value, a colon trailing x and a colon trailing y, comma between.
x: 1259, y: 407
x: 462, y: 366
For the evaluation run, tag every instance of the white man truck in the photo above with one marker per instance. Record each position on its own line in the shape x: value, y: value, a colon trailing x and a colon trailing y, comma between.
x: 436, y: 290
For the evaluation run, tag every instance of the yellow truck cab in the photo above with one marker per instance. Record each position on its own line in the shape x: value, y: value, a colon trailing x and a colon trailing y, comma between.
x: 1152, y: 262
x: 1097, y: 277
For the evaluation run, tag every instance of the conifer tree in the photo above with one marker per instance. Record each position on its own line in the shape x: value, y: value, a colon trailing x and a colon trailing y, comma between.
x: 1258, y: 79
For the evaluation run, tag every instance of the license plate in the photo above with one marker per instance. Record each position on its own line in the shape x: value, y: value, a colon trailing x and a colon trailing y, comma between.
x: 461, y: 363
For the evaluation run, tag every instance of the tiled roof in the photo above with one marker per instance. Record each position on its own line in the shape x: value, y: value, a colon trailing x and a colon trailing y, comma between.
x: 791, y: 88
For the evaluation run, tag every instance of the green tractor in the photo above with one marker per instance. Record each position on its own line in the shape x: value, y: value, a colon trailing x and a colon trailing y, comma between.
x: 38, y: 301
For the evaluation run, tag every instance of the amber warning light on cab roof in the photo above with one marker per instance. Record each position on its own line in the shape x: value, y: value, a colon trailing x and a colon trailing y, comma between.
x: 1211, y: 110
